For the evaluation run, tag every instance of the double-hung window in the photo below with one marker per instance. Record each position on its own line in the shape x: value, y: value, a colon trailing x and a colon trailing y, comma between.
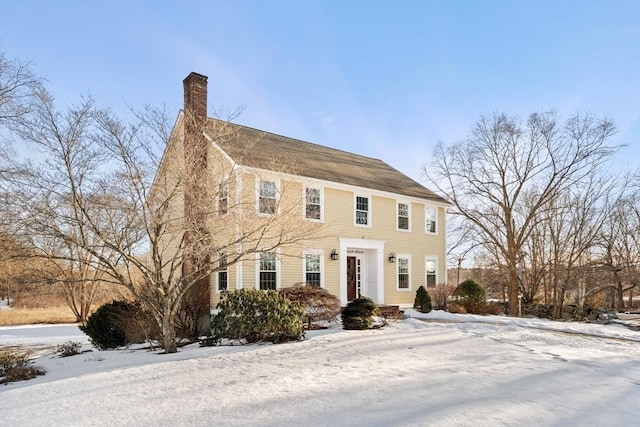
x: 223, y: 273
x: 267, y: 202
x: 404, y: 272
x: 403, y: 216
x: 268, y: 274
x: 431, y: 220
x: 223, y: 198
x: 431, y: 272
x: 362, y: 210
x: 312, y: 270
x: 312, y: 203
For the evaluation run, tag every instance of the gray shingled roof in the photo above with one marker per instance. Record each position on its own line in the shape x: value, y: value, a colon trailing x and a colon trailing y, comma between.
x: 264, y: 150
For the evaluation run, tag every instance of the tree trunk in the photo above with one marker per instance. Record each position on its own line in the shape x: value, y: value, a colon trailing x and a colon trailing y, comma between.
x: 168, y: 328
x: 619, y: 297
x: 561, y: 295
x: 513, y: 290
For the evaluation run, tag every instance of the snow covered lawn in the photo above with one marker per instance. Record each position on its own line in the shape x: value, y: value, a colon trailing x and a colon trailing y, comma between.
x: 469, y: 370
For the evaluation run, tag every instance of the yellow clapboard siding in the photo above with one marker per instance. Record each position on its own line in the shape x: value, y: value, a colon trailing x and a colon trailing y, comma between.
x: 338, y: 219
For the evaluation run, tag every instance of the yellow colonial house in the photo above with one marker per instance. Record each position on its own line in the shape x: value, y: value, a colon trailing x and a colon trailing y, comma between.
x: 372, y: 231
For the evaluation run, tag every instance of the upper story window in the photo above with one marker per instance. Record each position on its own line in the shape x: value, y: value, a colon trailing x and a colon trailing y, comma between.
x: 404, y: 272
x: 223, y: 198
x: 362, y: 210
x: 267, y: 202
x: 312, y: 203
x: 431, y: 219
x: 403, y: 216
x: 431, y: 272
x: 268, y: 273
x: 312, y: 270
x: 223, y: 273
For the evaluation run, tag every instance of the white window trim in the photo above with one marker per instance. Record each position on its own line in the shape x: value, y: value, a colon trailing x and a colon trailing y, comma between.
x: 369, y: 212
x: 218, y: 277
x: 278, y: 269
x: 257, y: 186
x: 426, y: 259
x: 224, y: 183
x: 404, y: 202
x: 435, y: 208
x: 319, y: 252
x: 239, y: 272
x: 340, y: 186
x: 304, y: 204
x: 398, y: 288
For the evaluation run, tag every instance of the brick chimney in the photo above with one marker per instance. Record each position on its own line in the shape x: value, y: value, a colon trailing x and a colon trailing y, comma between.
x: 196, y: 193
x: 195, y: 96
x: 195, y: 145
x: 195, y: 149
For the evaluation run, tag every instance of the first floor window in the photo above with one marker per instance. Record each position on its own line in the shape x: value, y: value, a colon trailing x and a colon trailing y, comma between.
x: 362, y: 210
x: 268, y: 274
x: 312, y: 269
x: 223, y: 272
x: 403, y: 216
x: 403, y: 264
x: 312, y: 209
x: 430, y: 222
x: 430, y: 269
x: 267, y: 198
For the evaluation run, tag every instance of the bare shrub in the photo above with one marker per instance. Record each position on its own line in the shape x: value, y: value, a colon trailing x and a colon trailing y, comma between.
x: 495, y: 308
x: 318, y: 304
x: 69, y: 348
x: 15, y: 366
x: 475, y: 307
x: 441, y: 294
x: 454, y: 307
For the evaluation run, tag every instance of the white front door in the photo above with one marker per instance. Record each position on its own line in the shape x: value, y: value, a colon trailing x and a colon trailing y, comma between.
x: 361, y: 269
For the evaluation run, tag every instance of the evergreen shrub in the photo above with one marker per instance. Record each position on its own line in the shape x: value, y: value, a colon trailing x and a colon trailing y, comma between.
x: 358, y: 314
x: 256, y: 315
x: 119, y: 323
x: 473, y: 297
x: 422, y: 303
x: 470, y: 290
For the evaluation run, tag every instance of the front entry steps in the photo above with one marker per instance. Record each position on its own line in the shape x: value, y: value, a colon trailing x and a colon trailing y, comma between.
x: 390, y: 312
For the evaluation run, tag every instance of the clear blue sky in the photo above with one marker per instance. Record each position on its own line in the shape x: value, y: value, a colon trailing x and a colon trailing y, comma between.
x: 383, y: 79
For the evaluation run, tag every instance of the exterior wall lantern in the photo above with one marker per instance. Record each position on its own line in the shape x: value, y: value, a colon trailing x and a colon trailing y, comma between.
x: 392, y: 257
x: 334, y: 255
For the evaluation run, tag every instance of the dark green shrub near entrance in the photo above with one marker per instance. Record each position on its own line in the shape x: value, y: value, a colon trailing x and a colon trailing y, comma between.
x: 422, y: 303
x: 255, y: 315
x: 358, y: 314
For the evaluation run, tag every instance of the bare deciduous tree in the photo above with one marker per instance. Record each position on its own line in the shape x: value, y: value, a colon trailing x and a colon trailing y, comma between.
x: 96, y: 191
x: 619, y: 243
x: 506, y: 173
x: 568, y: 229
x: 17, y: 86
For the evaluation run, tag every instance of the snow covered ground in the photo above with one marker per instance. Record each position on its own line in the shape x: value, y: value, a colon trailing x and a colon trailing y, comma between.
x: 445, y: 370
